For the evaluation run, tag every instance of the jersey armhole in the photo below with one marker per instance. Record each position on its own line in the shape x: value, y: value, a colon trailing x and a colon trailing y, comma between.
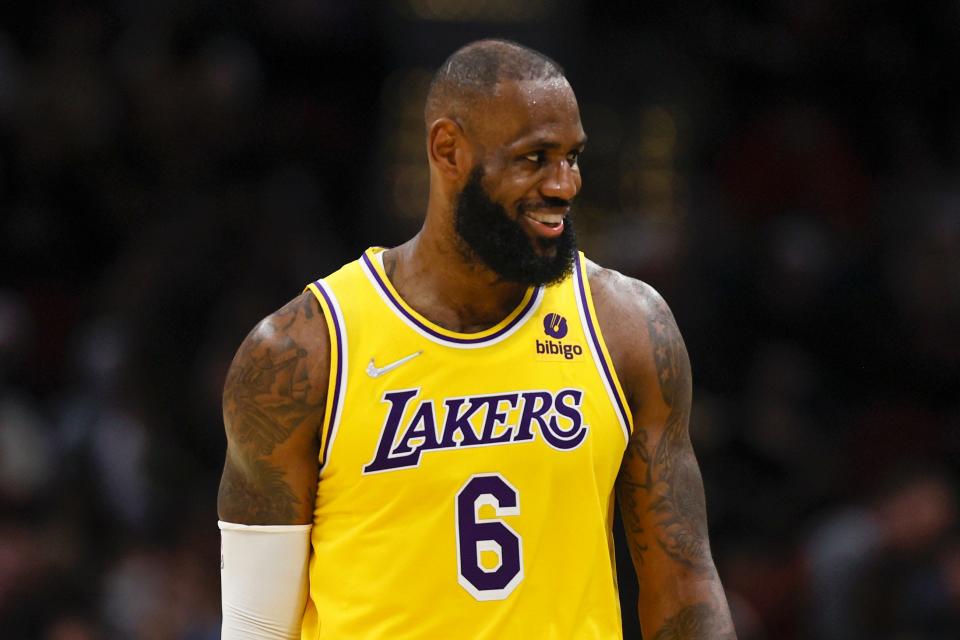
x: 601, y: 356
x: 338, y: 365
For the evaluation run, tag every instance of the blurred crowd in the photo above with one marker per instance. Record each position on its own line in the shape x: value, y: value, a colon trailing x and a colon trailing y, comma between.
x: 785, y: 173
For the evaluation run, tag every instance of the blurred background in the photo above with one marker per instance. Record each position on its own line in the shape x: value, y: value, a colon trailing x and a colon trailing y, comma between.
x: 785, y: 173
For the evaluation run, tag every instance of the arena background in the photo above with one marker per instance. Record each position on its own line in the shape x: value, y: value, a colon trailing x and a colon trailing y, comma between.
x: 785, y: 173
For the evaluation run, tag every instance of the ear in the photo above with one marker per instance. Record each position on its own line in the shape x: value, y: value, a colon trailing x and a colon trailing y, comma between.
x: 448, y: 149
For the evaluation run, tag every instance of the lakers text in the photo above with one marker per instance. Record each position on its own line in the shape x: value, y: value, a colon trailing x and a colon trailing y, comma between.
x: 414, y: 427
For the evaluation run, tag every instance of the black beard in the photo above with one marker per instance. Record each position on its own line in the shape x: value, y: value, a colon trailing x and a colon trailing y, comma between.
x: 489, y: 235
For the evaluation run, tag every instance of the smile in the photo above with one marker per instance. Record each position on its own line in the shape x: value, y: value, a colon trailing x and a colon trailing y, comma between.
x: 545, y: 225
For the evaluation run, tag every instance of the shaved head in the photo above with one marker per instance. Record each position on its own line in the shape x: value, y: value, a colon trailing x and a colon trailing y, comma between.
x: 470, y: 76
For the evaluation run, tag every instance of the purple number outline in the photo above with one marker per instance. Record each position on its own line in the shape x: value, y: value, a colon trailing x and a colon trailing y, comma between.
x: 509, y: 494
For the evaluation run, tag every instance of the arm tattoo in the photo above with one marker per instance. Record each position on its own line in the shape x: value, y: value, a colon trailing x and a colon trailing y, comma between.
x: 670, y: 482
x: 627, y: 490
x: 696, y: 622
x: 259, y: 496
x: 268, y: 390
x: 271, y: 392
x: 660, y: 491
x: 675, y: 477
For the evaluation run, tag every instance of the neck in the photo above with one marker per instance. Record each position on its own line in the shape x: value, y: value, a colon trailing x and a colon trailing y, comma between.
x: 431, y: 275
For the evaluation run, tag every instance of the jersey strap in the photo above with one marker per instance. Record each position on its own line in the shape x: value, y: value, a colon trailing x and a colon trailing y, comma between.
x: 601, y: 356
x: 338, y: 364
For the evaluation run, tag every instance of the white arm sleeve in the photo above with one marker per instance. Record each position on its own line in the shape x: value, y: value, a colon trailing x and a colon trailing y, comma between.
x: 263, y: 580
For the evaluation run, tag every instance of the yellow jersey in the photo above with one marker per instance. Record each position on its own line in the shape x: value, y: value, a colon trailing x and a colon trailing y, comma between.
x: 466, y: 480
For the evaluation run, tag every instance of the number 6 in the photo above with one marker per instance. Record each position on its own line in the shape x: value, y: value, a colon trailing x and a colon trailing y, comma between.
x: 475, y: 535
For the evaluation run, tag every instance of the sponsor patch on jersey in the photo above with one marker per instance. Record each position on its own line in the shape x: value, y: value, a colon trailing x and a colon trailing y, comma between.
x: 553, y: 348
x: 555, y: 326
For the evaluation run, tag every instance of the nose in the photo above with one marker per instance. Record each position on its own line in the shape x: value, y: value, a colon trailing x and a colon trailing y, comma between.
x: 562, y: 182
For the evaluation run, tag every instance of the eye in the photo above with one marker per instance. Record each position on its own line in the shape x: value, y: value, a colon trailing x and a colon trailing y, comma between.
x: 536, y: 157
x: 572, y: 158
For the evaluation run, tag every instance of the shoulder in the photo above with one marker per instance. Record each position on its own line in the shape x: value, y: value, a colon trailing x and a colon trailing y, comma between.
x: 297, y: 329
x: 622, y: 295
x: 286, y: 355
x: 637, y: 325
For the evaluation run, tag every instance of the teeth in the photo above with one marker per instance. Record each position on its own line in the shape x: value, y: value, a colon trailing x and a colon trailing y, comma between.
x: 546, y: 218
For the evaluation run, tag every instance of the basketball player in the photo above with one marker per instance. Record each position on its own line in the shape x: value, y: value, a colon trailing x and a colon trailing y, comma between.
x: 426, y: 443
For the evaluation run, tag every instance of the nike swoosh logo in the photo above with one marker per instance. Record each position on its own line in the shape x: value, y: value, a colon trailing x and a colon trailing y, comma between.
x: 374, y: 371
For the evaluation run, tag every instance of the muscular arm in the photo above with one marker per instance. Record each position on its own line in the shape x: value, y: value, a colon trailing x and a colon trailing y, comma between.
x: 273, y: 404
x: 659, y: 488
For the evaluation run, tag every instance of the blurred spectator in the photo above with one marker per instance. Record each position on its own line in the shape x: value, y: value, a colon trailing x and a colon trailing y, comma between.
x: 870, y: 565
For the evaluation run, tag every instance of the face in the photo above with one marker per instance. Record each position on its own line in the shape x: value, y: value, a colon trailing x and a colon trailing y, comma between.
x: 513, y: 213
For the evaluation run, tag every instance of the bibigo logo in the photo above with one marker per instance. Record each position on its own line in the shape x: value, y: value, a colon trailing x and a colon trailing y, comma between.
x: 555, y: 326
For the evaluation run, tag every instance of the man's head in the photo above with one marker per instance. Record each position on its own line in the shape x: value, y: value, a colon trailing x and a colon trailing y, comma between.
x: 504, y: 134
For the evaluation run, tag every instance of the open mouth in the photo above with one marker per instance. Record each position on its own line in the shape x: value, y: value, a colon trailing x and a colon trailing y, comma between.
x: 547, y: 225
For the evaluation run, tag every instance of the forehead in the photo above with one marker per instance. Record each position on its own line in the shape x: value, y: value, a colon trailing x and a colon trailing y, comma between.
x: 532, y: 110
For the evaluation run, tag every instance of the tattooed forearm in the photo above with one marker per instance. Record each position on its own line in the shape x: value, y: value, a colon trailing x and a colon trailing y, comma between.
x: 259, y: 495
x: 696, y: 622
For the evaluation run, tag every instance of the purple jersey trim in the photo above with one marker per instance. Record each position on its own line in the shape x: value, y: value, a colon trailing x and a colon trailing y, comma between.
x: 339, y: 374
x: 595, y: 340
x: 520, y: 317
